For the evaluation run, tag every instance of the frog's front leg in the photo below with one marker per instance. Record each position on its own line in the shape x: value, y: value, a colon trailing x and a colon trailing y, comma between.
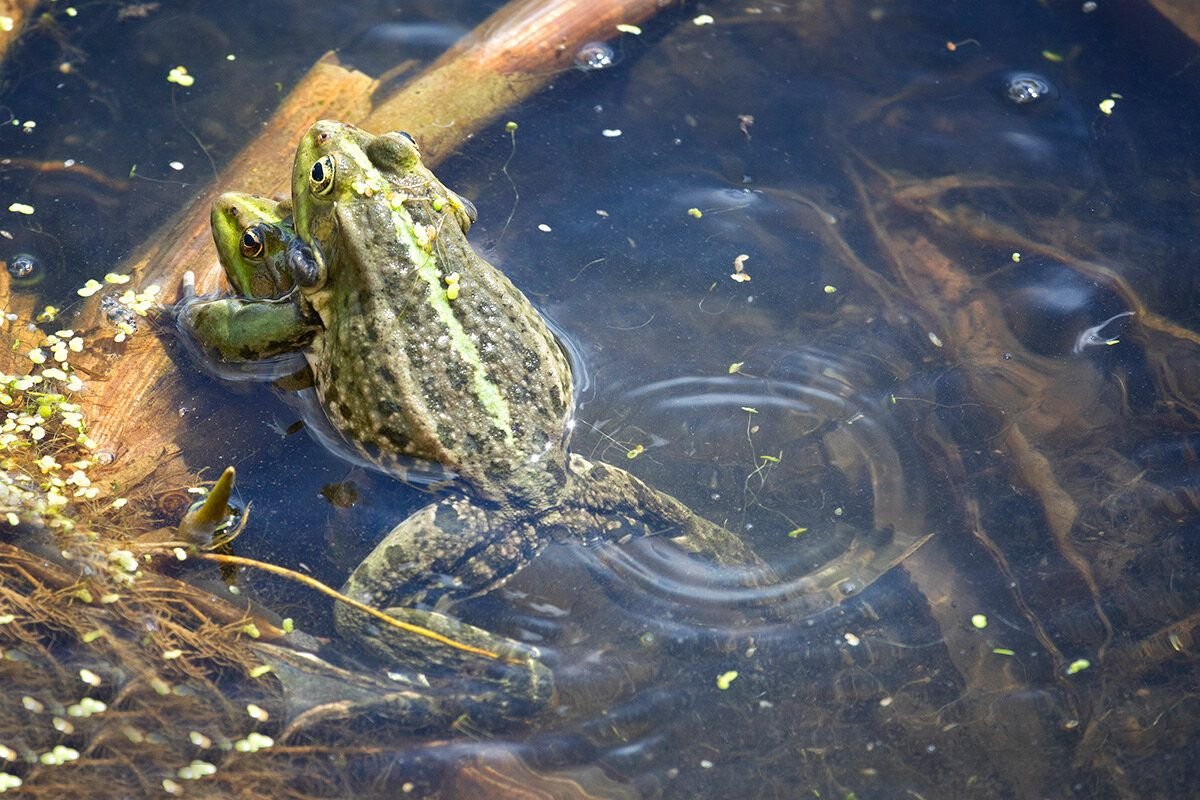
x: 449, y: 549
x: 237, y: 329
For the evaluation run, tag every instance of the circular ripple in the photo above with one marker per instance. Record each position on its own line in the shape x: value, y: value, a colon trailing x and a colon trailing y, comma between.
x: 804, y: 463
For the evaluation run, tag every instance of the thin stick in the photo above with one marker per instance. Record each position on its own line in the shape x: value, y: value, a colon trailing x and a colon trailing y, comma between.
x: 313, y: 583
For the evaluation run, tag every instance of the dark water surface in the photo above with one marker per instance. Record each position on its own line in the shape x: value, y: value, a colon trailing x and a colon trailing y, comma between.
x: 954, y: 407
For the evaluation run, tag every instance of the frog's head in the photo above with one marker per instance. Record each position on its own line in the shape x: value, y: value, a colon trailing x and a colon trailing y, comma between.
x: 331, y: 166
x: 251, y: 236
x: 338, y: 162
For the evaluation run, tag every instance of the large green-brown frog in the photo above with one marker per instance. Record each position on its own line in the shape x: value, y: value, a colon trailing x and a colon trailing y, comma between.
x: 423, y: 351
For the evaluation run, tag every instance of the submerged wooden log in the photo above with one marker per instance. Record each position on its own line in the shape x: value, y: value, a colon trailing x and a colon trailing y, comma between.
x: 508, y: 58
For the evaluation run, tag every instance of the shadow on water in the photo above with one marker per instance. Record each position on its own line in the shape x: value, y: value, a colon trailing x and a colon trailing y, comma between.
x: 950, y: 402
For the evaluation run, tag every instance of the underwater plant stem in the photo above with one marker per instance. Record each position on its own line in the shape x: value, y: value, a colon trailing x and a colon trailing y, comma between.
x: 313, y: 583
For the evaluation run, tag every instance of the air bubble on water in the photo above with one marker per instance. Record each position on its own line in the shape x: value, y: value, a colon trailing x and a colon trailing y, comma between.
x: 594, y: 55
x: 1026, y: 87
x: 25, y: 269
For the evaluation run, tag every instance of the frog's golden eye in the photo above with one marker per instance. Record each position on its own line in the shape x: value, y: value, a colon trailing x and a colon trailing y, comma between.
x: 252, y: 242
x: 320, y: 177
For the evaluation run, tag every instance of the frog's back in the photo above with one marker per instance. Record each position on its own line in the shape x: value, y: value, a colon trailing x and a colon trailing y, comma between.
x: 417, y: 363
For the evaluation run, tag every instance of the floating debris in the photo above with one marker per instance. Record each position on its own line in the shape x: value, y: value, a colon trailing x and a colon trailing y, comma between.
x: 1091, y: 337
x: 26, y: 270
x: 180, y: 76
x: 739, y: 269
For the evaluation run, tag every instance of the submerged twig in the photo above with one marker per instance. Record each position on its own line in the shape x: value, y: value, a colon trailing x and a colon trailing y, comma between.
x: 313, y: 583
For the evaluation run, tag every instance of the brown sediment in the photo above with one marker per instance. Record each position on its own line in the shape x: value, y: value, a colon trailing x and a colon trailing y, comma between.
x: 1032, y: 399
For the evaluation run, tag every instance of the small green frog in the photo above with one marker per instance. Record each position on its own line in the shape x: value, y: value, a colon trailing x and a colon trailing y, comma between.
x: 252, y: 235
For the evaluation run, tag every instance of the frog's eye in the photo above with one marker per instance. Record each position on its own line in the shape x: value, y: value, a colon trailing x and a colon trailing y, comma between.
x: 252, y: 243
x: 320, y: 177
x: 407, y: 135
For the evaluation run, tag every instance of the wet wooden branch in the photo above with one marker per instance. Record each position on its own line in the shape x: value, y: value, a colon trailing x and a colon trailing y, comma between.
x: 132, y: 411
x: 1184, y: 14
x: 509, y: 57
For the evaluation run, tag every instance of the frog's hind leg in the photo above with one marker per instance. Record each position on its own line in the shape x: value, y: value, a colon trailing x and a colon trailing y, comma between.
x: 497, y: 677
x: 611, y: 493
x: 448, y: 550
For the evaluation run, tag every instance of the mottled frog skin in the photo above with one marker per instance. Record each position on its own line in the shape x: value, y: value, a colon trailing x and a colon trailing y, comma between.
x: 477, y: 383
x: 422, y: 350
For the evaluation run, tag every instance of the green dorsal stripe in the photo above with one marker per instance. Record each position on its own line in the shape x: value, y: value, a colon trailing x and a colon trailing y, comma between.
x: 487, y: 392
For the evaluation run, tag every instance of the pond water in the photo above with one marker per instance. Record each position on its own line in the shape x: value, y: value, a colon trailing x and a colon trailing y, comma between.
x: 902, y: 293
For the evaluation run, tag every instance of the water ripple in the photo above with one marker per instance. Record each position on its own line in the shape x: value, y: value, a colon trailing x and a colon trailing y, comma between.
x: 825, y: 496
